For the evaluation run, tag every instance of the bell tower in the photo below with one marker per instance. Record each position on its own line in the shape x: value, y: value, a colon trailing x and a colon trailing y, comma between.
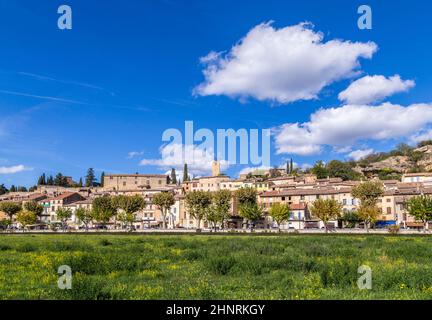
x: 215, y: 168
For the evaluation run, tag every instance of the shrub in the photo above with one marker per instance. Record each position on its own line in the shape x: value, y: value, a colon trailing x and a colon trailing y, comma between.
x: 221, y: 265
x: 394, y: 229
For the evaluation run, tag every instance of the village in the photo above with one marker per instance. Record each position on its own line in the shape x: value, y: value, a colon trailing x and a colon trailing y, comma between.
x: 297, y: 191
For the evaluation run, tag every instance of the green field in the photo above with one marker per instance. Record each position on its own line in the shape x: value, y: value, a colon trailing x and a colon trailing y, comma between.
x: 215, y: 267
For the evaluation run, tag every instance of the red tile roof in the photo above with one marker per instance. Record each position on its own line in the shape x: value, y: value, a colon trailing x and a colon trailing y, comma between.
x: 297, y: 206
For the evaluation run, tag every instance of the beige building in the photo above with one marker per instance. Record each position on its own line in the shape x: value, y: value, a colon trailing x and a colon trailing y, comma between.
x: 51, y: 205
x: 306, y: 196
x: 205, y: 183
x: 422, y: 177
x: 134, y: 181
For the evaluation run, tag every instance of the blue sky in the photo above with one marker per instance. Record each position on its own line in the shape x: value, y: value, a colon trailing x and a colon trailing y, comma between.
x: 127, y: 71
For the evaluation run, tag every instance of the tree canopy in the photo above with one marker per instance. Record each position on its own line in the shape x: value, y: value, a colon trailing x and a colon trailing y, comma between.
x: 164, y: 201
x: 326, y: 210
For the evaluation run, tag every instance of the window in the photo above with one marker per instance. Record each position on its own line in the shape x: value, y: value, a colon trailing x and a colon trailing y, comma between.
x: 388, y: 200
x: 160, y: 181
x: 124, y: 184
x: 344, y: 201
x: 283, y: 198
x: 389, y: 210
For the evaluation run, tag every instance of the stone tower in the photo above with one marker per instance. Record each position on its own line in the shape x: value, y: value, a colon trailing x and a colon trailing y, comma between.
x: 216, y: 168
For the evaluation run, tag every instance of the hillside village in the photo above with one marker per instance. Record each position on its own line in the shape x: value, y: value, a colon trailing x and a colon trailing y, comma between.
x: 403, y: 172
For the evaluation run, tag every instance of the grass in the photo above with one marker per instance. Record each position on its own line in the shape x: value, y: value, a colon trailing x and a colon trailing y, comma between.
x: 215, y: 267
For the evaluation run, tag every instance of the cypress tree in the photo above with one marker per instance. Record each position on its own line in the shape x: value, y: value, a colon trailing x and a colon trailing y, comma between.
x: 173, y: 176
x: 185, y: 173
x: 90, y: 178
x: 50, y: 180
x: 102, y: 178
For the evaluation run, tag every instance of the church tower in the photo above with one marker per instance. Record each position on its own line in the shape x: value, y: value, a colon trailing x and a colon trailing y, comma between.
x: 216, y: 168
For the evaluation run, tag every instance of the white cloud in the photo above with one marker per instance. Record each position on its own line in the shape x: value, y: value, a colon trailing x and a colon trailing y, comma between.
x: 343, y: 149
x: 14, y: 169
x: 374, y: 88
x: 421, y: 136
x: 346, y: 125
x: 281, y: 65
x: 360, y: 154
x: 174, y: 155
x: 134, y: 154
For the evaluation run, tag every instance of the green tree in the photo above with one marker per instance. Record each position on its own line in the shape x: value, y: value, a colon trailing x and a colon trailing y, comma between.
x: 3, y: 189
x: 164, y: 201
x: 60, y: 180
x: 173, y: 176
x: 64, y: 214
x: 34, y: 207
x: 102, y: 178
x: 13, y: 188
x: 350, y: 218
x: 42, y: 180
x: 343, y: 170
x: 198, y: 203
x: 369, y: 214
x: 368, y: 192
x: 84, y: 216
x: 251, y: 212
x: 50, y: 181
x: 26, y: 218
x: 128, y: 205
x: 403, y: 149
x: 279, y: 212
x: 246, y: 195
x: 420, y: 207
x: 424, y: 143
x: 103, y: 209
x: 10, y: 208
x: 320, y: 170
x: 326, y: 210
x: 90, y: 178
x: 80, y: 183
x: 185, y: 173
x: 220, y: 207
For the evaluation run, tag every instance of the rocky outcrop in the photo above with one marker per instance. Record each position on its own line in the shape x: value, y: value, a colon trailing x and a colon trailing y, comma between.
x: 400, y: 164
x: 426, y: 162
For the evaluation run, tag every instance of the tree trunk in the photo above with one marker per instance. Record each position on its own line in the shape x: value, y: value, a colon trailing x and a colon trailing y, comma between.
x: 163, y: 219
